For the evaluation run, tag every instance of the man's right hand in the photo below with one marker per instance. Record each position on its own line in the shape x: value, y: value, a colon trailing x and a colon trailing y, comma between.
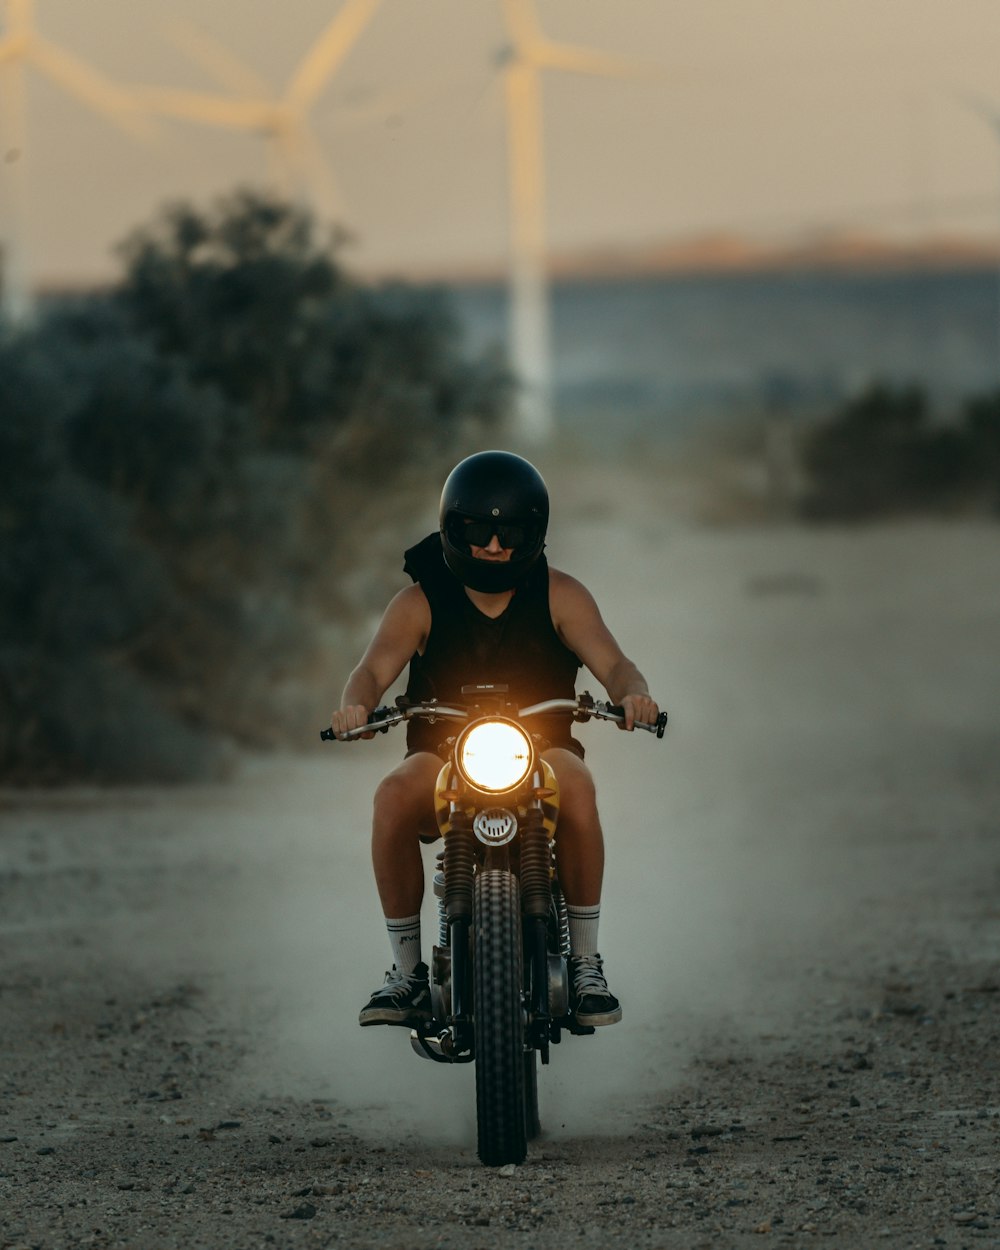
x: 350, y: 718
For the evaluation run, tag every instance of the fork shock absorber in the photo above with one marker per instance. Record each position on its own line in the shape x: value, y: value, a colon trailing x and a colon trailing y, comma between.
x: 536, y: 889
x: 459, y: 866
x: 536, y: 899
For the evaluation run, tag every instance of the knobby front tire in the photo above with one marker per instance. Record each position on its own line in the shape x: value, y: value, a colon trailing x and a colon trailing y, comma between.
x: 500, y: 1058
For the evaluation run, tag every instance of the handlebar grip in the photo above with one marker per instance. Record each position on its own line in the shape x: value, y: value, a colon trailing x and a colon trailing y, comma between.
x: 659, y: 727
x: 373, y: 724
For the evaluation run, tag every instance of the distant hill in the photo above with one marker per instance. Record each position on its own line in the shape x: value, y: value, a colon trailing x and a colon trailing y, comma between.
x: 730, y: 253
x: 710, y: 253
x: 720, y: 252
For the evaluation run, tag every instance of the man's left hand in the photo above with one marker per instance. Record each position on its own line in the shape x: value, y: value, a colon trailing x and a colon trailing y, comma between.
x: 639, y: 707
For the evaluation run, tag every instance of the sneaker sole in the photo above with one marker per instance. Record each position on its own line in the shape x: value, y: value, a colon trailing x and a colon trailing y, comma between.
x: 406, y: 1020
x: 596, y: 1019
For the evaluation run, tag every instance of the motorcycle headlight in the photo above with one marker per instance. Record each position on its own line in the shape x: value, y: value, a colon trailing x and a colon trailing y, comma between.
x: 494, y: 756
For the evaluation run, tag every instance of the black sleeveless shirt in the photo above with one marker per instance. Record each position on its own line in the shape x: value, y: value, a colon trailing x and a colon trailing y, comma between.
x: 520, y: 649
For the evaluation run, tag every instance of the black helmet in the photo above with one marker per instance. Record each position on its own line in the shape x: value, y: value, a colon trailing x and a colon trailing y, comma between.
x: 506, y: 493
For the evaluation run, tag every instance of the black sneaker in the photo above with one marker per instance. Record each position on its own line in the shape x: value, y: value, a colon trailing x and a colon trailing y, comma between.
x: 591, y: 1002
x: 404, y: 998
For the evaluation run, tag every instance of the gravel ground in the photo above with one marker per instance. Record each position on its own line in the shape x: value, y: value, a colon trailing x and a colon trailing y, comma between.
x: 805, y: 935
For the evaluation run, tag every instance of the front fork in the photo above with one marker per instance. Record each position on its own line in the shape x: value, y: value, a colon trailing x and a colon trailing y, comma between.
x: 536, y: 903
x: 459, y: 869
x: 535, y: 874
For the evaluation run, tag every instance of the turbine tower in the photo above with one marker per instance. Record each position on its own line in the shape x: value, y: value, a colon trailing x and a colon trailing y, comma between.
x: 21, y: 47
x: 990, y: 114
x: 297, y: 162
x: 522, y: 61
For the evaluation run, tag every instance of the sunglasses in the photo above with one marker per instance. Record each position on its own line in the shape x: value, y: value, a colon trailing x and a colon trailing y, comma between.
x: 479, y: 533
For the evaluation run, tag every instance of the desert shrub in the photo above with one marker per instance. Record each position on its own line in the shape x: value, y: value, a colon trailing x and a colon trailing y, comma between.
x: 981, y: 428
x: 79, y: 598
x: 191, y: 463
x: 884, y: 454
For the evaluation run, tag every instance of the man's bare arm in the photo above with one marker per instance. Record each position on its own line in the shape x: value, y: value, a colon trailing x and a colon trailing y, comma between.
x: 579, y: 623
x: 402, y: 631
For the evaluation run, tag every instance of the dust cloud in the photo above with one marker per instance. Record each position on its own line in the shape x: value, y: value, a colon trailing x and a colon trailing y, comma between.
x: 825, y: 687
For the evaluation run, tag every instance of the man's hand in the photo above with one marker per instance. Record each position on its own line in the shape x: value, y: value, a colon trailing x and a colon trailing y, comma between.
x: 639, y: 707
x: 350, y: 718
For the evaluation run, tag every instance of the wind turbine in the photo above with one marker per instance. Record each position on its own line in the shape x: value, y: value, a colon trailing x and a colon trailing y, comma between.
x: 296, y: 156
x: 990, y: 114
x: 528, y: 53
x: 22, y: 47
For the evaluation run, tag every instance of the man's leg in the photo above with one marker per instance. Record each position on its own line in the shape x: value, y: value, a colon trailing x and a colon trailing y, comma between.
x: 580, y: 860
x: 403, y: 810
x: 580, y: 840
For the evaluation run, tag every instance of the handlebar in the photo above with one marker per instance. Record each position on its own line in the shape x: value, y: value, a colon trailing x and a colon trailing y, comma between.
x: 581, y: 708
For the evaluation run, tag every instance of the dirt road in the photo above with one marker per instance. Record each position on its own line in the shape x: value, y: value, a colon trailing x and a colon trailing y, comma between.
x: 800, y: 916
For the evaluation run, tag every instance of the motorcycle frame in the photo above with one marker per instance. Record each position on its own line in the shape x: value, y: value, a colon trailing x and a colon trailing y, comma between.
x: 455, y: 1042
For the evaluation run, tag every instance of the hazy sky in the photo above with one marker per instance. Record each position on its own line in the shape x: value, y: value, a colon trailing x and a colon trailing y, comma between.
x: 769, y: 115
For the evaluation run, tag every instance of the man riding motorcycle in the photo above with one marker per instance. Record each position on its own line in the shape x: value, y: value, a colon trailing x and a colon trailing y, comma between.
x: 485, y: 607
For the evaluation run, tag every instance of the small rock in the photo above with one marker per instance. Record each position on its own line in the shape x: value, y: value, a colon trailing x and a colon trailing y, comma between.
x: 509, y: 1169
x: 45, y: 1150
x: 304, y: 1211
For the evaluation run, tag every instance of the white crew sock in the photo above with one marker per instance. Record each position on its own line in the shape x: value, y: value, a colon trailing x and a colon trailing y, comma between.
x: 404, y: 937
x: 583, y: 923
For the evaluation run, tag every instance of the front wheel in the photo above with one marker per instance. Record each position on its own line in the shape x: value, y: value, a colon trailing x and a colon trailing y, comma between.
x: 497, y: 982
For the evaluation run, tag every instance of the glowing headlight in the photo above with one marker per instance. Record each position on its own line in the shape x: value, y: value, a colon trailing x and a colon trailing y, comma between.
x: 494, y: 755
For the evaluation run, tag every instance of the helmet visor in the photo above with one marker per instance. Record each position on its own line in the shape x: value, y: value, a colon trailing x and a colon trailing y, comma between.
x: 512, y: 534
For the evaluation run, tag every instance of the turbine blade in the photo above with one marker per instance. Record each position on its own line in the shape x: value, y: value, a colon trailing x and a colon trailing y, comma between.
x: 210, y: 110
x: 576, y: 60
x: 90, y: 86
x: 328, y: 53
x: 204, y: 50
x: 19, y: 14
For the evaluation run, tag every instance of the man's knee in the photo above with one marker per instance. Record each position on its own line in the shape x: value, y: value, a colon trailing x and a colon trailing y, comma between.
x: 394, y: 798
x: 578, y: 794
x: 404, y: 797
x: 579, y: 803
